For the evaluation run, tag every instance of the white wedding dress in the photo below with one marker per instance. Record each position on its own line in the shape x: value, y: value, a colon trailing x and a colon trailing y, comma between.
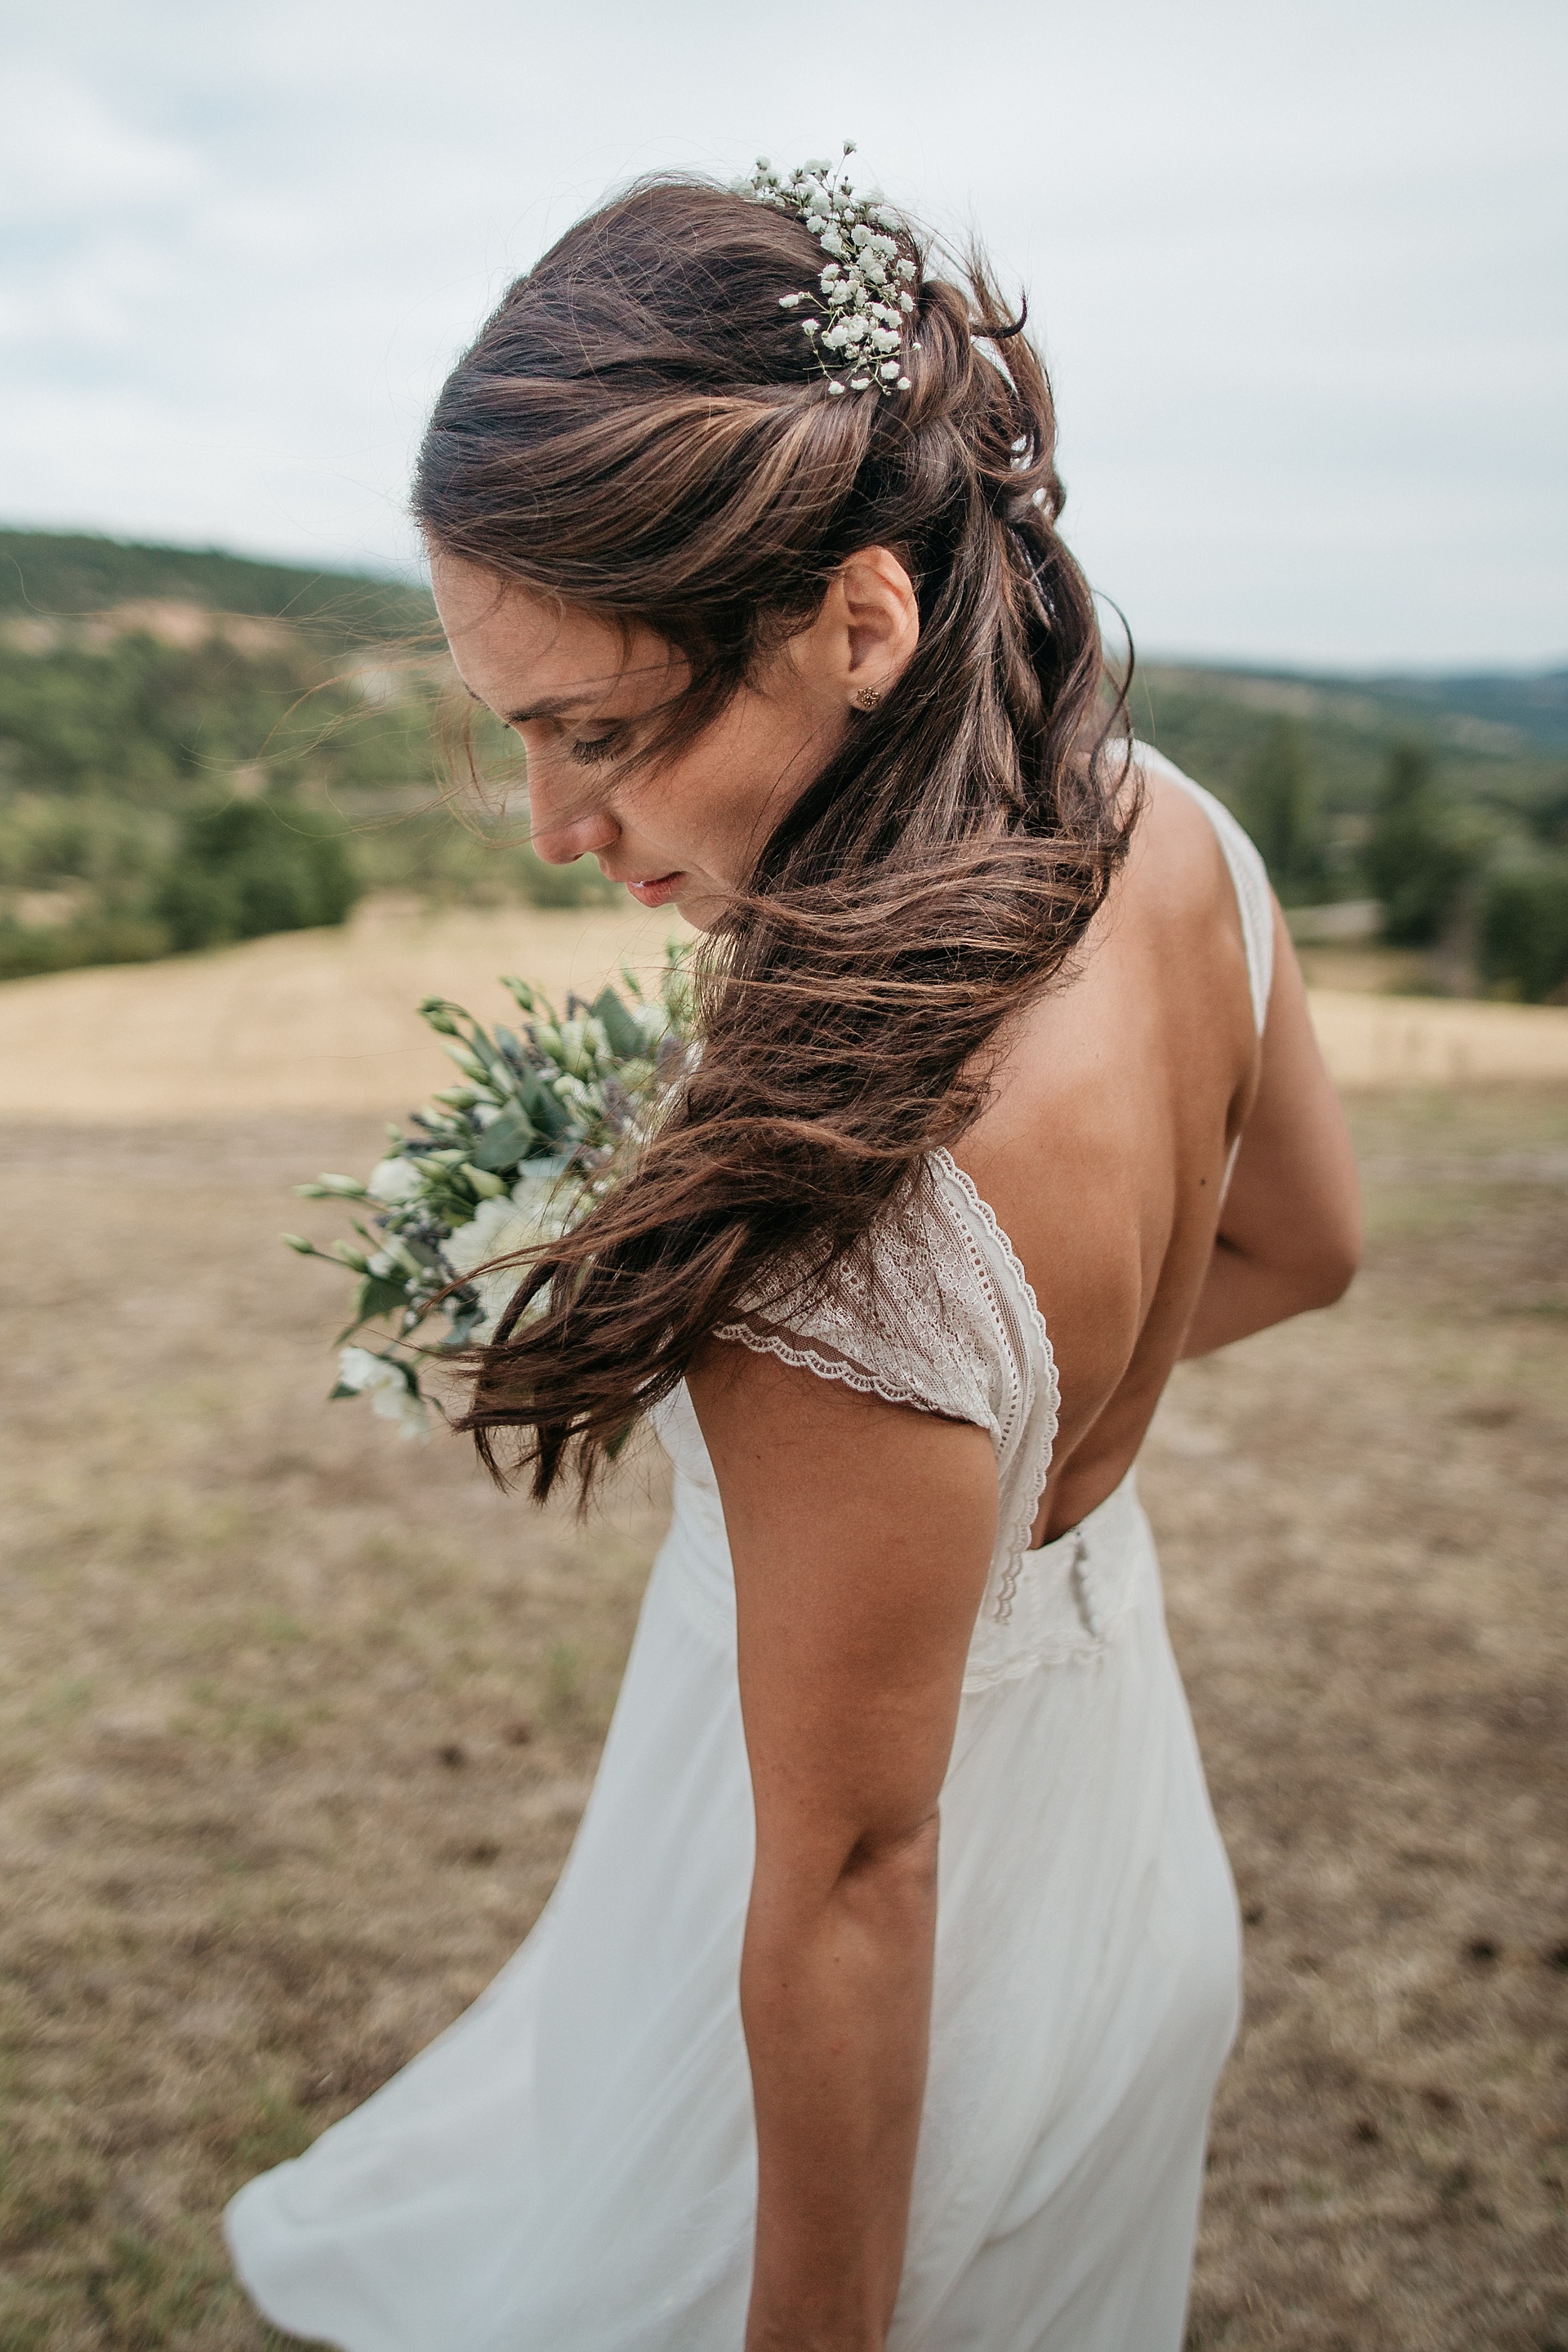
x: 571, y: 2167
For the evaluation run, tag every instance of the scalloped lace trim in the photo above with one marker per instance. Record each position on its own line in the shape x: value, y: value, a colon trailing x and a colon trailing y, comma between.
x: 1021, y: 1524
x: 987, y: 1215
x: 772, y: 1342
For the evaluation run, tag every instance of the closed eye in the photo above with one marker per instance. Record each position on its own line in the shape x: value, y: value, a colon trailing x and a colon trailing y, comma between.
x: 589, y: 750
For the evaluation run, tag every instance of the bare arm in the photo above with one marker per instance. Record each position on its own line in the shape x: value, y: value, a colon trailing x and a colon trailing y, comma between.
x: 1289, y: 1232
x: 861, y: 1534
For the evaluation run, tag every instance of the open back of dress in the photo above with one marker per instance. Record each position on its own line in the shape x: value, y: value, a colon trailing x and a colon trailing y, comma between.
x: 571, y: 2167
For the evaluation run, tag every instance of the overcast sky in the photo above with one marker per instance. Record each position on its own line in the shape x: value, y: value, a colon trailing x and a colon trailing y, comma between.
x: 1298, y: 266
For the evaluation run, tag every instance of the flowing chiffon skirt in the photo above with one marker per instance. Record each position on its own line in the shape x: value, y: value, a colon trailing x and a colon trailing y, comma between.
x: 571, y: 2167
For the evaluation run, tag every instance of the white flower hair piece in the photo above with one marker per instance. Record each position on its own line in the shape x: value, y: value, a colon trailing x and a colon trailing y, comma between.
x: 865, y: 284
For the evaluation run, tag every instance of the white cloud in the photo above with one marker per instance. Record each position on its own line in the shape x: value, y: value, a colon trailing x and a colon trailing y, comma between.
x: 1291, y: 266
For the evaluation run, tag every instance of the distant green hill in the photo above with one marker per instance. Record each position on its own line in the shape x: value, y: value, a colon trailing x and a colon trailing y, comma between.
x: 1532, y: 704
x: 1500, y: 738
x: 68, y: 573
x: 1444, y: 800
x: 195, y: 747
x: 144, y: 688
x: 1524, y: 701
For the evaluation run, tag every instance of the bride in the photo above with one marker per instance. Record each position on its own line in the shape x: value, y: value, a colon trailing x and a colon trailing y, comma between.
x: 882, y: 1998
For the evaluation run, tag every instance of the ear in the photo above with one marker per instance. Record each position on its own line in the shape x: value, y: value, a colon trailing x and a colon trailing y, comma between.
x: 871, y: 624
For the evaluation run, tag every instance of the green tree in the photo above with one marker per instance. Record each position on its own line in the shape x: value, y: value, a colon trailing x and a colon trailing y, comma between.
x: 1421, y: 852
x: 246, y: 868
x: 1524, y: 924
x: 1281, y: 811
x: 1548, y: 816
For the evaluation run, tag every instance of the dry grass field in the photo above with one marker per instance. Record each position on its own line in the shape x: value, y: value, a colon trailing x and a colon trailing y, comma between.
x: 296, y: 1721
x: 323, y: 1020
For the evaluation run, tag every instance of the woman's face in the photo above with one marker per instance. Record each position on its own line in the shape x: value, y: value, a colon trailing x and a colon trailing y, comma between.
x: 583, y: 696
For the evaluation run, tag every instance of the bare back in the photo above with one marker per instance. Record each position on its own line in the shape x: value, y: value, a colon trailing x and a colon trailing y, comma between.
x: 1104, y: 1152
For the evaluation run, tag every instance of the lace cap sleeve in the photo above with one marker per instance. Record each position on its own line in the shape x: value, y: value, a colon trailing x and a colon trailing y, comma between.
x: 933, y: 1310
x: 899, y: 1318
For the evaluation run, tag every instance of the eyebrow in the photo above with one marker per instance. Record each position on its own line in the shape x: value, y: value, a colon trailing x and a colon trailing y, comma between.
x: 552, y: 705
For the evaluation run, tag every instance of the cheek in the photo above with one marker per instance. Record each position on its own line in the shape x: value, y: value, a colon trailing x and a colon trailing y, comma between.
x: 704, y: 799
x: 716, y: 805
x: 740, y: 768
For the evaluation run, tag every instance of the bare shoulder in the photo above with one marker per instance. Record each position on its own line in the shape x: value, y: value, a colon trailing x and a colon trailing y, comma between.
x: 1176, y: 870
x: 1104, y: 1144
x: 1157, y: 993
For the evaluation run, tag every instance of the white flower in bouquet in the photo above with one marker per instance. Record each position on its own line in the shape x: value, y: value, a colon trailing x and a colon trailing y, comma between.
x: 394, y: 1182
x: 386, y: 1384
x: 535, y: 1210
x: 539, y: 1128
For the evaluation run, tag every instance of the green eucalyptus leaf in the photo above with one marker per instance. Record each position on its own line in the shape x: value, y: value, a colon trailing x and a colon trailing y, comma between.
x: 377, y: 1297
x: 563, y: 1098
x: 621, y: 1027
x: 549, y: 1113
x: 507, y: 1140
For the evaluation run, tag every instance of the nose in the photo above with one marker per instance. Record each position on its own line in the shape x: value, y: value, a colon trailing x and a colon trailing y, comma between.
x: 563, y: 833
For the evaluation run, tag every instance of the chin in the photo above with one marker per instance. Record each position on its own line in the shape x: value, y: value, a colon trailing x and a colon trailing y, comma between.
x: 698, y: 906
x: 698, y: 900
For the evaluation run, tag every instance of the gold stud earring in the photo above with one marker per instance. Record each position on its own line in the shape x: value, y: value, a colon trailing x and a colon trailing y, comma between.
x: 866, y: 697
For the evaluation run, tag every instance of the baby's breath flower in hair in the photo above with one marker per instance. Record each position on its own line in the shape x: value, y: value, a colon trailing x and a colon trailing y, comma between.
x: 865, y: 283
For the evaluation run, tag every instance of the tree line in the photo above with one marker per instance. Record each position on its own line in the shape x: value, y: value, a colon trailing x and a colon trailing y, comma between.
x: 197, y: 748
x: 157, y: 798
x: 1487, y: 888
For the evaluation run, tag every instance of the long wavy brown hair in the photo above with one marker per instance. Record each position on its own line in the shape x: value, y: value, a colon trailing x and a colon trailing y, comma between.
x: 642, y: 430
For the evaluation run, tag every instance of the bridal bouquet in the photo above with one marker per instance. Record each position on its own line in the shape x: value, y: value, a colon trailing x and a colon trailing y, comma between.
x: 511, y: 1156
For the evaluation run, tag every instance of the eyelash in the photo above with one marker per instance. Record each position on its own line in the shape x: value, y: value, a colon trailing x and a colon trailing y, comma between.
x: 591, y: 751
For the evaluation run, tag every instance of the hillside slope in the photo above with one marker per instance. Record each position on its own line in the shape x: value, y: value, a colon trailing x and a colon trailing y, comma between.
x: 143, y: 688
x: 197, y: 747
x: 54, y: 574
x: 1501, y: 740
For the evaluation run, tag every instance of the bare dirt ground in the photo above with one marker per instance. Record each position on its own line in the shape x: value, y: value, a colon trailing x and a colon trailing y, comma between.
x: 296, y: 1721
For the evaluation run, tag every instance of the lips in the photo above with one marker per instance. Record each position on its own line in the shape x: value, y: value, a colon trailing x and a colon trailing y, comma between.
x: 658, y: 892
